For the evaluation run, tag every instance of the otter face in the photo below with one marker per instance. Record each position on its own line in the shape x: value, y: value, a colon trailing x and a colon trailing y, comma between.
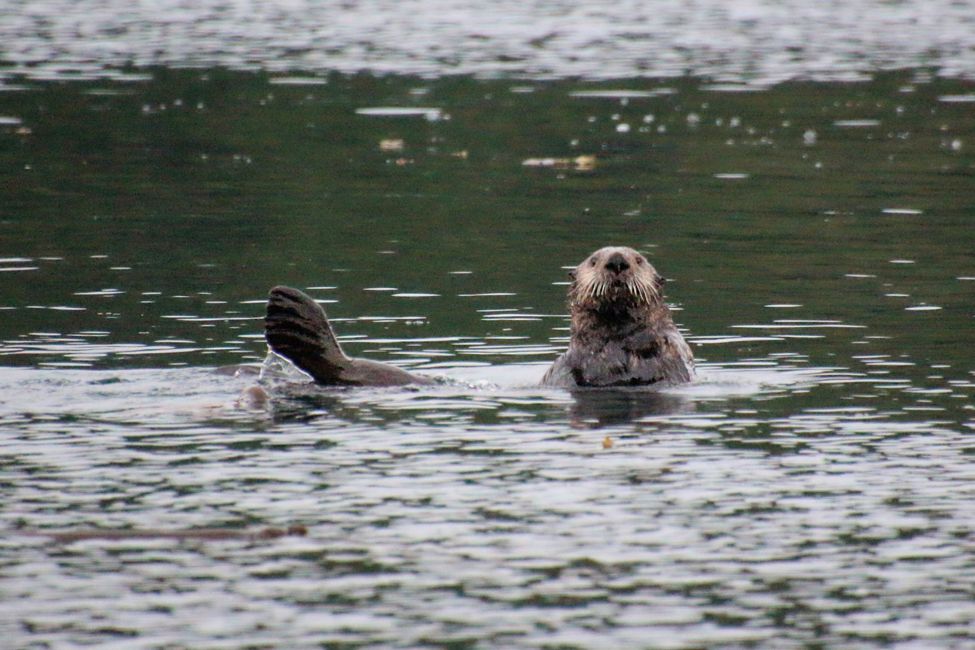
x: 614, y: 277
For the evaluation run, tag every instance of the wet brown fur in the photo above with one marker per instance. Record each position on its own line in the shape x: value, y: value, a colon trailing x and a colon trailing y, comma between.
x: 622, y: 333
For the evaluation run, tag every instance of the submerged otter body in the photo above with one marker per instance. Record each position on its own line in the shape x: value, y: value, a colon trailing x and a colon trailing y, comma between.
x: 296, y: 328
x: 622, y: 333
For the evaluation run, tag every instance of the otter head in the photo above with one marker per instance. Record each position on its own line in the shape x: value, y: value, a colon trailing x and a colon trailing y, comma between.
x: 614, y: 279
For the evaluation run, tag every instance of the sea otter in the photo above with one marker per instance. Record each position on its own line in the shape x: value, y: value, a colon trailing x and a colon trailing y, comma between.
x: 622, y: 333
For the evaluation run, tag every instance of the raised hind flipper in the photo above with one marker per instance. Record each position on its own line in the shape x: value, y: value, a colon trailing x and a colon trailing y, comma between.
x: 297, y: 328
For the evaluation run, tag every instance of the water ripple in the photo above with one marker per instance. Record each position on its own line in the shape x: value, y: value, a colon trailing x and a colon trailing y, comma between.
x: 754, y: 43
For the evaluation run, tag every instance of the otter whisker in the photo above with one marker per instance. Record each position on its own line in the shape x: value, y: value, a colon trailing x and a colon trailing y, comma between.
x: 587, y: 290
x: 635, y: 291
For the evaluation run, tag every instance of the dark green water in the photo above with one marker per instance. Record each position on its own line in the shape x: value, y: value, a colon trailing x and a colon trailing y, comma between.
x: 850, y: 201
x: 813, y: 489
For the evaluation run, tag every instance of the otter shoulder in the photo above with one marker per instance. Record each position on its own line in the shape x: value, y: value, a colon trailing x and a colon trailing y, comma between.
x: 666, y: 359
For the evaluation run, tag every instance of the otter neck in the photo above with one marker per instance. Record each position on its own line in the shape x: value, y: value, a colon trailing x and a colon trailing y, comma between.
x: 613, y: 320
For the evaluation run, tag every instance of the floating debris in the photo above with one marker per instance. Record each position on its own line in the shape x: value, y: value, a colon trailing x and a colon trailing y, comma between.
x: 392, y: 144
x: 579, y: 163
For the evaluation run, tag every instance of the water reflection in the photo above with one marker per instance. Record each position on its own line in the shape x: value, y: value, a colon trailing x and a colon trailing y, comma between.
x: 601, y: 408
x: 500, y: 494
x: 741, y: 48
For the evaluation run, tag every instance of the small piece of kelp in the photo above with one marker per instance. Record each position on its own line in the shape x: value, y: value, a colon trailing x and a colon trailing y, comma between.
x: 209, y: 534
x: 579, y: 163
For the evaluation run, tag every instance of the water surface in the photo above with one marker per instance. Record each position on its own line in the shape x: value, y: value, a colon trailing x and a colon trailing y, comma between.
x: 812, y: 489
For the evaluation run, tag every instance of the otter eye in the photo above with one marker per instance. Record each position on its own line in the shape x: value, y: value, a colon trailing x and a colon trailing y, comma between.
x: 592, y: 261
x: 639, y: 261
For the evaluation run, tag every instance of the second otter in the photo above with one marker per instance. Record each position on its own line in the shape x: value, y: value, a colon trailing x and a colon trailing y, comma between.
x: 622, y: 333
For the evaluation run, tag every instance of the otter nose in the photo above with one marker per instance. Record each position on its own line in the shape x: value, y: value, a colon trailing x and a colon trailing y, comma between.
x: 617, y: 263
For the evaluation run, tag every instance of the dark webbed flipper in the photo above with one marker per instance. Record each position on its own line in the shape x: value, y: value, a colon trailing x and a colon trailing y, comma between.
x: 296, y: 328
